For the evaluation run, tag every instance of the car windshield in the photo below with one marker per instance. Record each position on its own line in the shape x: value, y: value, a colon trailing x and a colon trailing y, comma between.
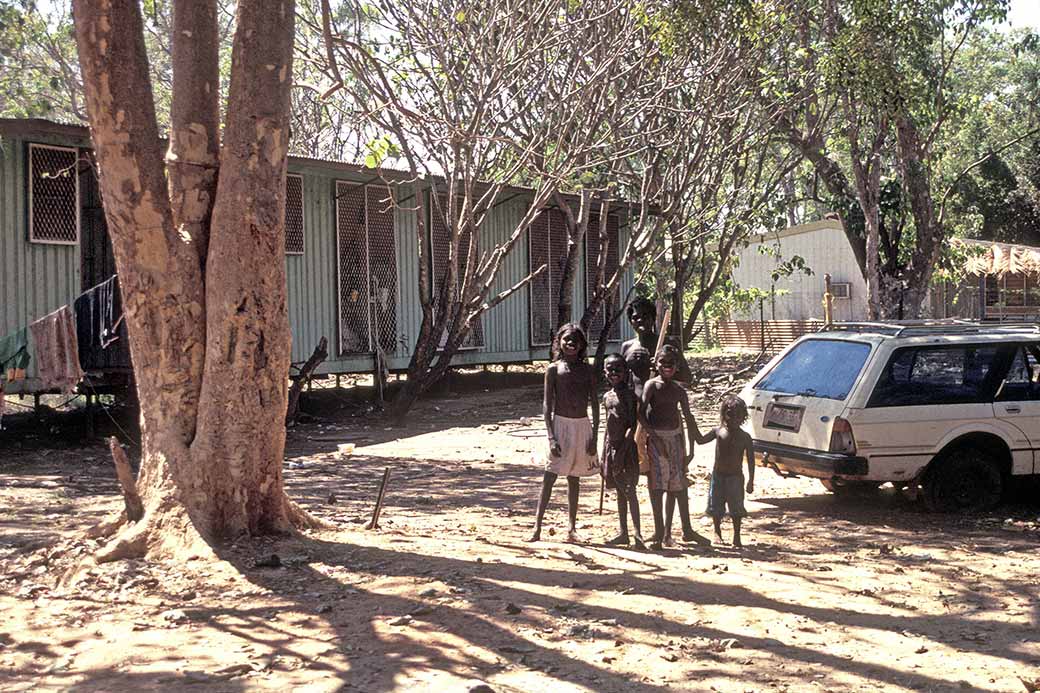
x: 825, y: 368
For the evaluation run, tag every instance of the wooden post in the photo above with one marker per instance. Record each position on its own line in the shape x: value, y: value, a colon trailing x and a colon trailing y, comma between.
x: 762, y: 322
x: 662, y: 331
x: 374, y: 524
x: 602, y: 491
x: 828, y: 301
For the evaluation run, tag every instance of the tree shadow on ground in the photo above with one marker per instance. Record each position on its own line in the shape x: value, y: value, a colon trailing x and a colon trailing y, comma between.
x: 450, y: 630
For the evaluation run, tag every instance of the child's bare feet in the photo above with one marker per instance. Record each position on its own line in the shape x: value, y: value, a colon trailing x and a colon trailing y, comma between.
x: 574, y: 538
x: 736, y: 542
x: 537, y: 536
x: 655, y: 545
x: 696, y: 538
x: 638, y: 542
x: 619, y: 540
x: 718, y: 538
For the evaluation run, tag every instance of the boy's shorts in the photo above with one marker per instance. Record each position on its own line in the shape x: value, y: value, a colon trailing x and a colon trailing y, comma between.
x: 667, y: 462
x: 726, y: 490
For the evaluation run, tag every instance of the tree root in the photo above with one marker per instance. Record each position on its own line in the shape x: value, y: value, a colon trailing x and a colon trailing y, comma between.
x: 132, y: 543
x: 301, y: 519
x: 108, y: 527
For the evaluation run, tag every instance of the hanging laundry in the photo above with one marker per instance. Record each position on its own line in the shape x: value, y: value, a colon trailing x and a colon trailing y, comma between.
x: 56, y: 350
x: 14, y: 355
x: 99, y: 315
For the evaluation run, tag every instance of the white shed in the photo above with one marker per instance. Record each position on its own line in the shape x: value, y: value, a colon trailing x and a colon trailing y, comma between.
x: 823, y: 247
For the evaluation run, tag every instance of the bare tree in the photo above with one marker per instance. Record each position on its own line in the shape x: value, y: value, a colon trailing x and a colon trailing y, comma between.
x: 200, y: 263
x: 450, y: 85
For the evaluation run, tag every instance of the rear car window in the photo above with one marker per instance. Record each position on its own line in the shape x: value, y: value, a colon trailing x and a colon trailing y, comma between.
x: 935, y: 375
x: 825, y: 368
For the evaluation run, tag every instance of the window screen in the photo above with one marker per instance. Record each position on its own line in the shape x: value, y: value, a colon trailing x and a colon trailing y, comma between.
x: 935, y: 375
x: 440, y: 239
x: 53, y: 194
x: 294, y: 215
x: 592, y: 251
x: 547, y: 245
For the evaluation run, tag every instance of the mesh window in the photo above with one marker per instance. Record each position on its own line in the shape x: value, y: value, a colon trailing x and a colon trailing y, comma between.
x: 294, y: 215
x: 592, y: 249
x: 382, y: 261
x: 440, y: 240
x: 53, y: 194
x: 557, y: 259
x: 352, y: 268
x: 539, y: 291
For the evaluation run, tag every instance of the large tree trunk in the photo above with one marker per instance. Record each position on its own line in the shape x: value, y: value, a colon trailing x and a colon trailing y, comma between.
x: 210, y: 346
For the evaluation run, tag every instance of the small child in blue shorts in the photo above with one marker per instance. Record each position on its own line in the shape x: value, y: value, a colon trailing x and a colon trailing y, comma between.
x: 732, y: 445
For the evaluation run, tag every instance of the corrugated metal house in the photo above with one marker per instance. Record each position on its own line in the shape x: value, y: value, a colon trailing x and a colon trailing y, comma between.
x: 350, y: 255
x: 1002, y: 282
x: 799, y: 296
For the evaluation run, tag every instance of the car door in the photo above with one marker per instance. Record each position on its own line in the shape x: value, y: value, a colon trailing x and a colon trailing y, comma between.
x: 924, y: 392
x: 1017, y: 402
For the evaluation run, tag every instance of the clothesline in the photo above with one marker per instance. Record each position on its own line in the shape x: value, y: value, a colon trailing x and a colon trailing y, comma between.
x: 65, y: 341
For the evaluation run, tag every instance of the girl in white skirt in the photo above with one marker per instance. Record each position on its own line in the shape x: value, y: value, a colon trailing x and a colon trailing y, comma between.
x: 570, y: 390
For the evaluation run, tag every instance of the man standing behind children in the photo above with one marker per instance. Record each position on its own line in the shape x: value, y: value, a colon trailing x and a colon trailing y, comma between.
x: 732, y: 445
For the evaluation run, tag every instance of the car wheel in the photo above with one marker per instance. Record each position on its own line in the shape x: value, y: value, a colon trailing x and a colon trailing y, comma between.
x: 845, y: 487
x: 966, y: 479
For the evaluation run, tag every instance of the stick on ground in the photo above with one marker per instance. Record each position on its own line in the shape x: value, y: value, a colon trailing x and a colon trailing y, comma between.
x: 374, y: 524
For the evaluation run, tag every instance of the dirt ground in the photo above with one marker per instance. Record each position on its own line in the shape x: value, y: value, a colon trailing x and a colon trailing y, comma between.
x: 828, y: 595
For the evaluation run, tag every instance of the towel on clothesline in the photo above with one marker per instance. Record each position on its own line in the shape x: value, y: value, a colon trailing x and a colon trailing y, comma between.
x: 56, y: 350
x: 99, y: 312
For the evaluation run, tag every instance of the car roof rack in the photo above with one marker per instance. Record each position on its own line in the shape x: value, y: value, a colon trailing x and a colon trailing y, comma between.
x: 907, y: 328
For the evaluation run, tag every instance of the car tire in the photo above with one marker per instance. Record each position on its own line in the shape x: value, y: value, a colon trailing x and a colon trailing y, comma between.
x: 966, y: 479
x: 846, y: 487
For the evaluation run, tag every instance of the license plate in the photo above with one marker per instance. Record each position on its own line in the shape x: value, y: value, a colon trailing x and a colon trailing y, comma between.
x: 784, y: 417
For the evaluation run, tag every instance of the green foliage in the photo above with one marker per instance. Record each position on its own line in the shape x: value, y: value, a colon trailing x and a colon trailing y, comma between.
x: 379, y: 150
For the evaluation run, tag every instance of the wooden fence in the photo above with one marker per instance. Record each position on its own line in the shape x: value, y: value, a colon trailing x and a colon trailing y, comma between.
x: 770, y: 336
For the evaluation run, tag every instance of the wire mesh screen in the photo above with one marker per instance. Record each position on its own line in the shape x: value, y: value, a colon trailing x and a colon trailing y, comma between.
x: 382, y: 262
x: 294, y: 215
x: 592, y: 253
x: 557, y: 259
x: 475, y: 338
x: 613, y: 259
x: 352, y: 268
x: 53, y: 194
x: 440, y: 240
x: 539, y: 292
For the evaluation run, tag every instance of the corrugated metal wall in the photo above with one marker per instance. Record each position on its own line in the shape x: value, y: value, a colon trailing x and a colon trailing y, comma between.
x: 35, y: 278
x: 825, y: 249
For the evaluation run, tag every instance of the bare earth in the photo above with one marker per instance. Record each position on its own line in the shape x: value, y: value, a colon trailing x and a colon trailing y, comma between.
x: 829, y: 595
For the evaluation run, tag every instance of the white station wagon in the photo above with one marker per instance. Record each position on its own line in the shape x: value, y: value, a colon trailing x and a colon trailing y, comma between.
x: 952, y: 407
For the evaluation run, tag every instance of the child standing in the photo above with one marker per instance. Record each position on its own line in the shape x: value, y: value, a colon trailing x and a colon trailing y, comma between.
x: 570, y: 388
x: 620, y: 461
x: 732, y: 444
x: 663, y: 399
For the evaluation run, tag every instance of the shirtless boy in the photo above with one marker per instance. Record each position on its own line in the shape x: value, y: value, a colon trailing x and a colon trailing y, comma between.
x: 663, y: 399
x: 620, y: 461
x: 570, y: 389
x: 732, y: 445
x: 639, y: 363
